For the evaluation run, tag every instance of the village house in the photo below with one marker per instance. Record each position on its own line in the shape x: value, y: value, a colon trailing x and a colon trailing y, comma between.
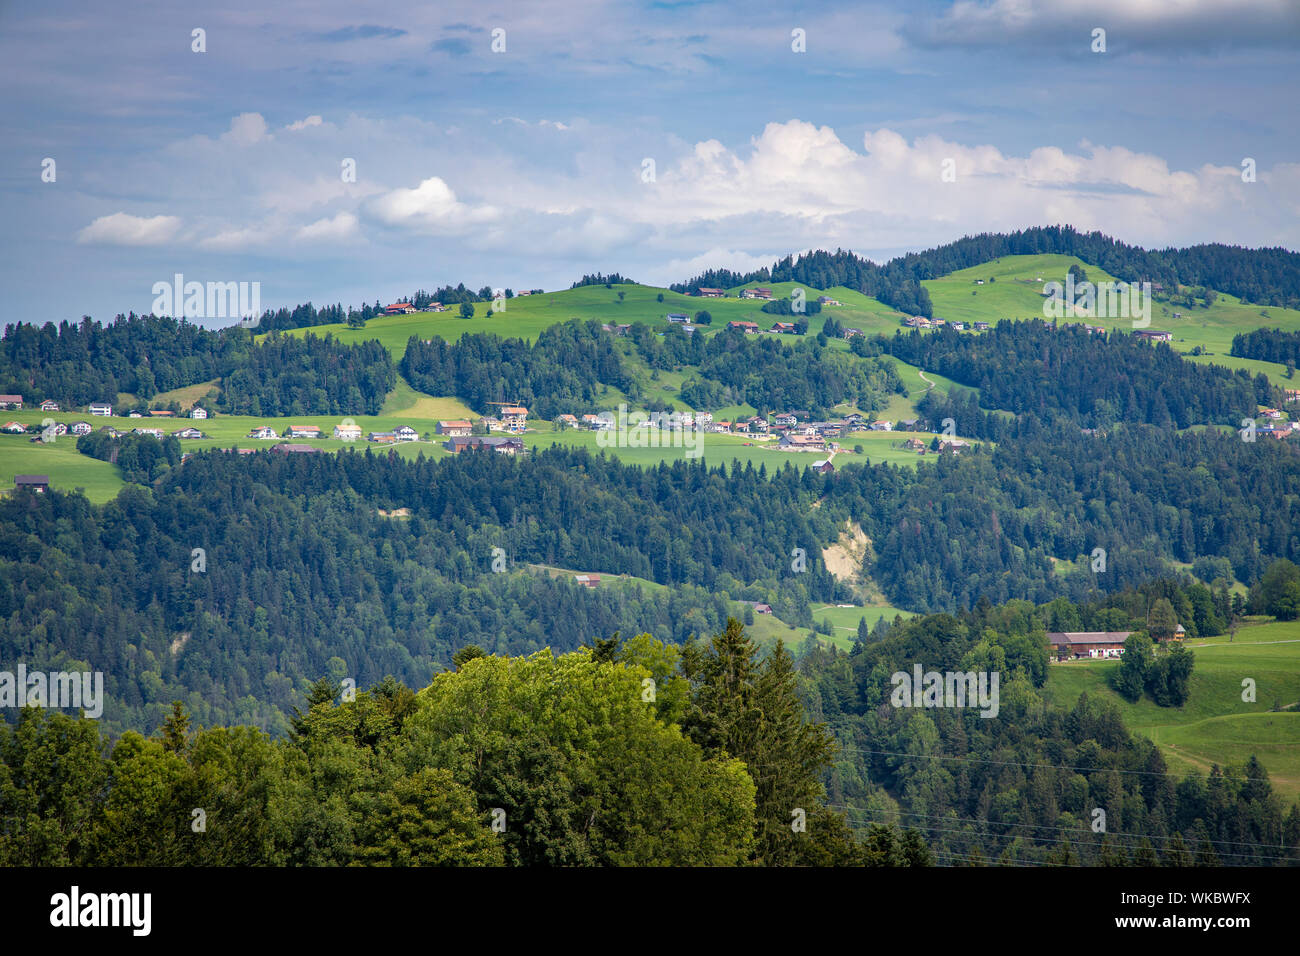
x: 784, y: 420
x: 492, y: 424
x: 718, y: 428
x: 263, y: 432
x: 190, y: 432
x: 704, y: 418
x: 1154, y: 335
x: 103, y: 409
x: 198, y: 412
x: 759, y: 607
x: 1079, y: 644
x: 882, y: 427
x: 399, y: 308
x: 405, y: 433
x: 439, y: 307
x: 678, y: 317
x: 14, y: 428
x: 597, y: 423
x: 382, y: 438
x: 567, y: 421
x: 151, y: 432
x: 1292, y: 394
x: 749, y: 328
x: 14, y: 402
x: 953, y: 445
x: 503, y: 446
x: 802, y: 443
x: 35, y: 483
x: 849, y: 333
x: 711, y: 294
x: 827, y: 300
x: 755, y: 425
x: 783, y: 328
x: 302, y: 431
x: 588, y: 580
x: 981, y: 326
x: 347, y: 432
x: 914, y: 444
x: 457, y: 428
x: 959, y: 326
x: 756, y: 293
x: 49, y: 405
x: 824, y: 467
x: 515, y: 418
x: 82, y: 428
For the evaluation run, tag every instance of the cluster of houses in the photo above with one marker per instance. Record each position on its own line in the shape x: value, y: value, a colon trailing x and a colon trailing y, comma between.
x: 760, y: 292
x: 405, y: 308
x: 921, y: 322
x: 96, y: 409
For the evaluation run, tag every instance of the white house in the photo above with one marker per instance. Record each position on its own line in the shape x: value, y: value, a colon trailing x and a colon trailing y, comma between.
x: 100, y: 408
x: 347, y: 432
x: 197, y: 412
x: 82, y: 428
x: 406, y: 433
x: 263, y: 432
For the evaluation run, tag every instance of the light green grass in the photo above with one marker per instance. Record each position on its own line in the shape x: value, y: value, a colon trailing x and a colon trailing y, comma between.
x: 68, y: 469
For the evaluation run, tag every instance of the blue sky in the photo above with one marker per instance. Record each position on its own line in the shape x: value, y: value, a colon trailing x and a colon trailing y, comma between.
x: 527, y: 167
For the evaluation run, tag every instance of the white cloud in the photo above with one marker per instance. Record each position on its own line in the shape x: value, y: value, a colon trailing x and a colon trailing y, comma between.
x: 123, y: 229
x: 313, y: 120
x: 431, y: 205
x: 329, y: 229
x: 246, y: 129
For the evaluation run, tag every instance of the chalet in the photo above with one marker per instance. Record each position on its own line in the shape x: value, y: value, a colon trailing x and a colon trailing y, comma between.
x: 503, y: 446
x: 190, y: 432
x: 908, y: 424
x: 302, y: 431
x: 59, y: 428
x: 759, y: 607
x: 755, y: 425
x: 35, y: 483
x: 783, y: 328
x: 263, y: 432
x: 597, y: 423
x: 678, y: 317
x: 11, y: 401
x: 749, y: 328
x: 197, y: 412
x: 1079, y: 644
x: 1154, y: 335
x: 914, y: 444
x: 382, y: 438
x: 439, y: 307
x: 14, y: 428
x: 882, y: 426
x: 295, y: 449
x: 953, y: 445
x: 824, y: 467
x: 711, y: 294
x: 102, y: 409
x: 49, y: 405
x: 82, y: 428
x: 457, y: 429
x: 802, y: 443
x: 567, y: 421
x: 151, y: 432
x: 758, y: 294
x: 406, y: 433
x: 827, y: 429
x: 1272, y: 413
x: 827, y: 300
x: 399, y: 308
x: 588, y: 580
x: 347, y: 432
x: 784, y: 420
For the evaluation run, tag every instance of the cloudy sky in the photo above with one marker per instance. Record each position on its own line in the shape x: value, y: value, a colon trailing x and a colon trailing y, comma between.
x: 653, y: 139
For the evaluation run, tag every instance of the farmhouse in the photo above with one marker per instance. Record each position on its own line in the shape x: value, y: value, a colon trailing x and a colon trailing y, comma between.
x: 504, y: 446
x: 198, y: 412
x: 802, y: 443
x: 597, y: 423
x: 824, y: 467
x: 263, y: 432
x: 1087, y: 643
x: 914, y: 444
x: 82, y: 428
x: 302, y: 431
x: 783, y: 328
x: 14, y: 428
x: 49, y: 405
x: 347, y: 432
x: 849, y: 333
x: 882, y: 426
x: 756, y: 293
x: 399, y: 308
x: 37, y: 483
x: 827, y: 300
x: 151, y: 432
x: 749, y: 328
x: 784, y: 419
x: 678, y: 317
x: 759, y: 607
x: 458, y: 428
x: 1154, y: 335
x: 102, y: 409
x: 405, y: 433
x: 711, y: 294
x: 755, y: 425
x: 588, y: 580
x: 439, y: 307
x: 382, y: 438
x: 11, y: 401
x: 190, y: 432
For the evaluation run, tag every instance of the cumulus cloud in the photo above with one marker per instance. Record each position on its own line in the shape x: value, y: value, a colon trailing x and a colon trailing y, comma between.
x: 123, y: 229
x: 329, y: 229
x: 246, y: 129
x: 313, y: 120
x: 431, y: 205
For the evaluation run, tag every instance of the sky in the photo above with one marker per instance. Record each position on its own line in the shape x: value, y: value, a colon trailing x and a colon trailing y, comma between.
x: 350, y: 152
